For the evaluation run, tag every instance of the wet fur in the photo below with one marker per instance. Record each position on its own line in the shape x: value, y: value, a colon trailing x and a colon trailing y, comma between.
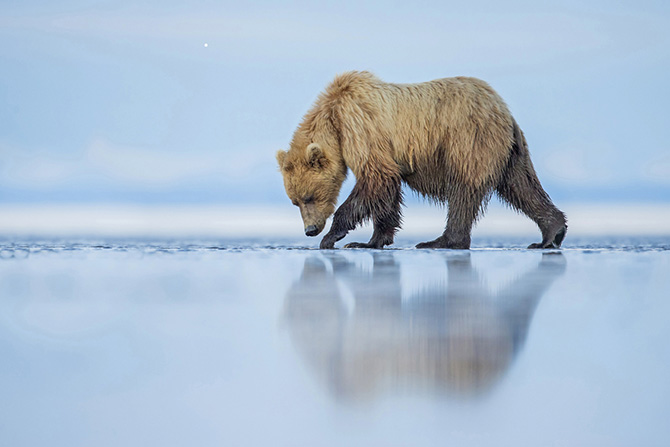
x: 452, y: 140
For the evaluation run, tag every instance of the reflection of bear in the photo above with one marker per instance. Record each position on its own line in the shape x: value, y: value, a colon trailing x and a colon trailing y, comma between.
x: 456, y: 336
x: 453, y: 140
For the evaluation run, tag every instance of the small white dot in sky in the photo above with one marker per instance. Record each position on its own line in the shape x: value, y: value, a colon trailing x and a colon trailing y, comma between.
x: 206, y: 45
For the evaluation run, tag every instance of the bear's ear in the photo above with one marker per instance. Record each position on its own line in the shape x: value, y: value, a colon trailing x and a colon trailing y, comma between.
x: 281, y: 156
x: 315, y: 156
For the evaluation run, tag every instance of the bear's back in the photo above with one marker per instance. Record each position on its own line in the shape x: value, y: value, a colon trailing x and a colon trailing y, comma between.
x: 447, y: 130
x: 458, y: 126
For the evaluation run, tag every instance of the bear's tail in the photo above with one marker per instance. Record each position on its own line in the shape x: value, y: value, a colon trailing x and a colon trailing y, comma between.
x: 520, y: 187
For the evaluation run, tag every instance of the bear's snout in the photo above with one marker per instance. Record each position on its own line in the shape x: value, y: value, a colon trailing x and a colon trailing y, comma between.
x: 311, y: 230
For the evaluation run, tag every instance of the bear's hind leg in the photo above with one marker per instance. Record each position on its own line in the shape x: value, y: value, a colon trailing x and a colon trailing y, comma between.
x: 464, y: 207
x: 521, y: 188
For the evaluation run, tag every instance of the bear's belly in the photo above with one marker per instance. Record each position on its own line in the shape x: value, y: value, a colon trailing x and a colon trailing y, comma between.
x: 429, y: 185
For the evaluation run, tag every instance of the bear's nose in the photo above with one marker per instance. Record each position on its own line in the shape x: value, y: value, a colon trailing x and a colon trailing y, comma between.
x: 311, y: 230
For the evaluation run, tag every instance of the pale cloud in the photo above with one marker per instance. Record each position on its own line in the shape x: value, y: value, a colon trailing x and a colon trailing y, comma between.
x: 130, y: 166
x: 658, y: 169
x: 583, y: 163
x: 25, y: 168
x: 147, y: 166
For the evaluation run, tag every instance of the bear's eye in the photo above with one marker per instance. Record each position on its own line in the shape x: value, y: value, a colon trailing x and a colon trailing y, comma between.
x: 308, y: 199
x: 295, y: 202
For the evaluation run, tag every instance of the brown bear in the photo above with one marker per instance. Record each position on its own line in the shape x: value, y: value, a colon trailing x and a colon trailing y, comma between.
x: 452, y: 140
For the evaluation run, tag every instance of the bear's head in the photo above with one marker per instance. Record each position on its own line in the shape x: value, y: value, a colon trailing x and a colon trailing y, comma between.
x: 312, y: 179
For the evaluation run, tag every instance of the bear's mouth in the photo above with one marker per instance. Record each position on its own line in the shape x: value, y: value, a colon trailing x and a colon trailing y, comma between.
x: 312, y: 219
x: 312, y: 230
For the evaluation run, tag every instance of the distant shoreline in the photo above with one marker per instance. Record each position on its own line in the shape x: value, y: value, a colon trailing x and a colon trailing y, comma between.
x: 129, y: 220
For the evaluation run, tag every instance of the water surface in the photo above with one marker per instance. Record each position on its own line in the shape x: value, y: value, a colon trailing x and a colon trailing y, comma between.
x: 255, y: 342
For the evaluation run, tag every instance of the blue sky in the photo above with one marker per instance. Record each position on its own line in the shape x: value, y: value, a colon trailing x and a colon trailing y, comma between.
x: 120, y: 101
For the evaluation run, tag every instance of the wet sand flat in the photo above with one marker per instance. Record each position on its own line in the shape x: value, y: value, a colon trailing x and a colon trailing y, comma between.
x: 246, y: 342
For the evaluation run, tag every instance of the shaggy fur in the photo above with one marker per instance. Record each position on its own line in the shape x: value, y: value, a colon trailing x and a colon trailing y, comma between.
x: 452, y: 140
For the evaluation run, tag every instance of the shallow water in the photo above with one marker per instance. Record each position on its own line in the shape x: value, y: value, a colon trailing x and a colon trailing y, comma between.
x: 254, y: 342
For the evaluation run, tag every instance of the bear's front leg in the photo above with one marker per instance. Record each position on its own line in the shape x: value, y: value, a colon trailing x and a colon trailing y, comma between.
x: 335, y: 234
x: 385, y: 228
x: 381, y: 203
x: 347, y: 216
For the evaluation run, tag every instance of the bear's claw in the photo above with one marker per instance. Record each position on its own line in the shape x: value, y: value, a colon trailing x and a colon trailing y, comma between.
x: 443, y: 242
x: 541, y: 245
x: 360, y: 245
x: 327, y: 245
x: 328, y: 241
x: 555, y: 243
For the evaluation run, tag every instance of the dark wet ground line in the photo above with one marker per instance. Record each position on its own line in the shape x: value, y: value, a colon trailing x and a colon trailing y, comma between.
x: 16, y: 248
